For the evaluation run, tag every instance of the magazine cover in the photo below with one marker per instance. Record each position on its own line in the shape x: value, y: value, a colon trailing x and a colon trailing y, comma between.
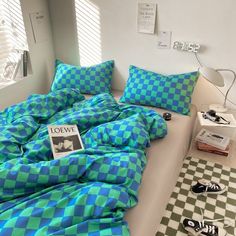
x: 217, y: 140
x: 65, y: 139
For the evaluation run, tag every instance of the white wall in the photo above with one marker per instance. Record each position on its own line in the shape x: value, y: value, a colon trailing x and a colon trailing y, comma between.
x: 62, y: 13
x: 211, y: 23
x: 42, y: 59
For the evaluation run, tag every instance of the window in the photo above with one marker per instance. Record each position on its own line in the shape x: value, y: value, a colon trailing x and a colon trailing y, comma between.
x: 13, y: 39
x: 89, y: 32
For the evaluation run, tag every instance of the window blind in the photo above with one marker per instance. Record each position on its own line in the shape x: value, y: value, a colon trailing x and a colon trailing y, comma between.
x: 13, y: 40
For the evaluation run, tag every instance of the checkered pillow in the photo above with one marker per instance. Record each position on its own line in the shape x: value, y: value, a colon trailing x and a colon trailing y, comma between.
x: 89, y: 80
x: 171, y: 92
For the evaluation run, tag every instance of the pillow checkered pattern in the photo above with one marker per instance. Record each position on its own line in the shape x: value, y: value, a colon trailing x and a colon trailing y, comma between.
x: 172, y: 92
x: 89, y: 80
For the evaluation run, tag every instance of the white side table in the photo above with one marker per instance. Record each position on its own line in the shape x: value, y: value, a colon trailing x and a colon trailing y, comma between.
x: 229, y: 130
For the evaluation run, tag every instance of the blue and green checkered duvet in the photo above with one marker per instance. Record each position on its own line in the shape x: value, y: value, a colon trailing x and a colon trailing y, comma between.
x: 87, y: 192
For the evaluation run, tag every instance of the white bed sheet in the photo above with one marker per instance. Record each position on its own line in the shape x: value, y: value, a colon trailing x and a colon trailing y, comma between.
x: 165, y: 158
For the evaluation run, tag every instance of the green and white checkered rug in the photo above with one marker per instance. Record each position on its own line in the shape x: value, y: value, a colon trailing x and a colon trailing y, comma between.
x: 183, y: 204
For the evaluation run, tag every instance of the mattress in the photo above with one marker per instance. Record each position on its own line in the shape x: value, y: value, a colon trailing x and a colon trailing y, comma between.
x: 165, y: 158
x: 113, y: 174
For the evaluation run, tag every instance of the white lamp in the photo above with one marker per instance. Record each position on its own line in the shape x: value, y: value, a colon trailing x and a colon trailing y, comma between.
x: 214, y: 77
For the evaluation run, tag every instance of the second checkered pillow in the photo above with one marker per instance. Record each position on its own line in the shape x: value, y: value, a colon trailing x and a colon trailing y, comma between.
x: 171, y: 92
x: 89, y: 80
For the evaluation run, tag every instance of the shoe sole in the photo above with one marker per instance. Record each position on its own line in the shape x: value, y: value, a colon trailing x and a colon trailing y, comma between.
x: 190, y: 234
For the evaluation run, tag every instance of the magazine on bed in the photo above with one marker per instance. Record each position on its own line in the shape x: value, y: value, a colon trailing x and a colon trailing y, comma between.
x: 65, y: 139
x: 214, y: 139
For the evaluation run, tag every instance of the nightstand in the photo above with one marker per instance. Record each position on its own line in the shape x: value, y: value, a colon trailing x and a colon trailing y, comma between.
x: 229, y: 130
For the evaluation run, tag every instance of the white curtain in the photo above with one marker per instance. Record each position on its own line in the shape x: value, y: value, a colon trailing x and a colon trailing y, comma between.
x: 12, y: 39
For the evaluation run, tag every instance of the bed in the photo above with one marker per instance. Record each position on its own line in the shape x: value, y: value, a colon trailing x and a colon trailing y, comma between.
x: 34, y: 188
x: 86, y: 192
x: 120, y: 183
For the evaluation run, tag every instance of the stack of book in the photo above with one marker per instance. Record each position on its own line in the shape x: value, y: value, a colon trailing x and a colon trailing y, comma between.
x: 213, y: 142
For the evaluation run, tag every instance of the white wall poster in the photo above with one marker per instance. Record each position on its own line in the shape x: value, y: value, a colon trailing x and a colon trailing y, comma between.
x: 39, y: 26
x: 164, y: 39
x: 146, y: 17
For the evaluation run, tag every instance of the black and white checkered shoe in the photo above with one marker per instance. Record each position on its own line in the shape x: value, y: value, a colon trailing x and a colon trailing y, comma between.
x: 201, y: 228
x: 205, y: 187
